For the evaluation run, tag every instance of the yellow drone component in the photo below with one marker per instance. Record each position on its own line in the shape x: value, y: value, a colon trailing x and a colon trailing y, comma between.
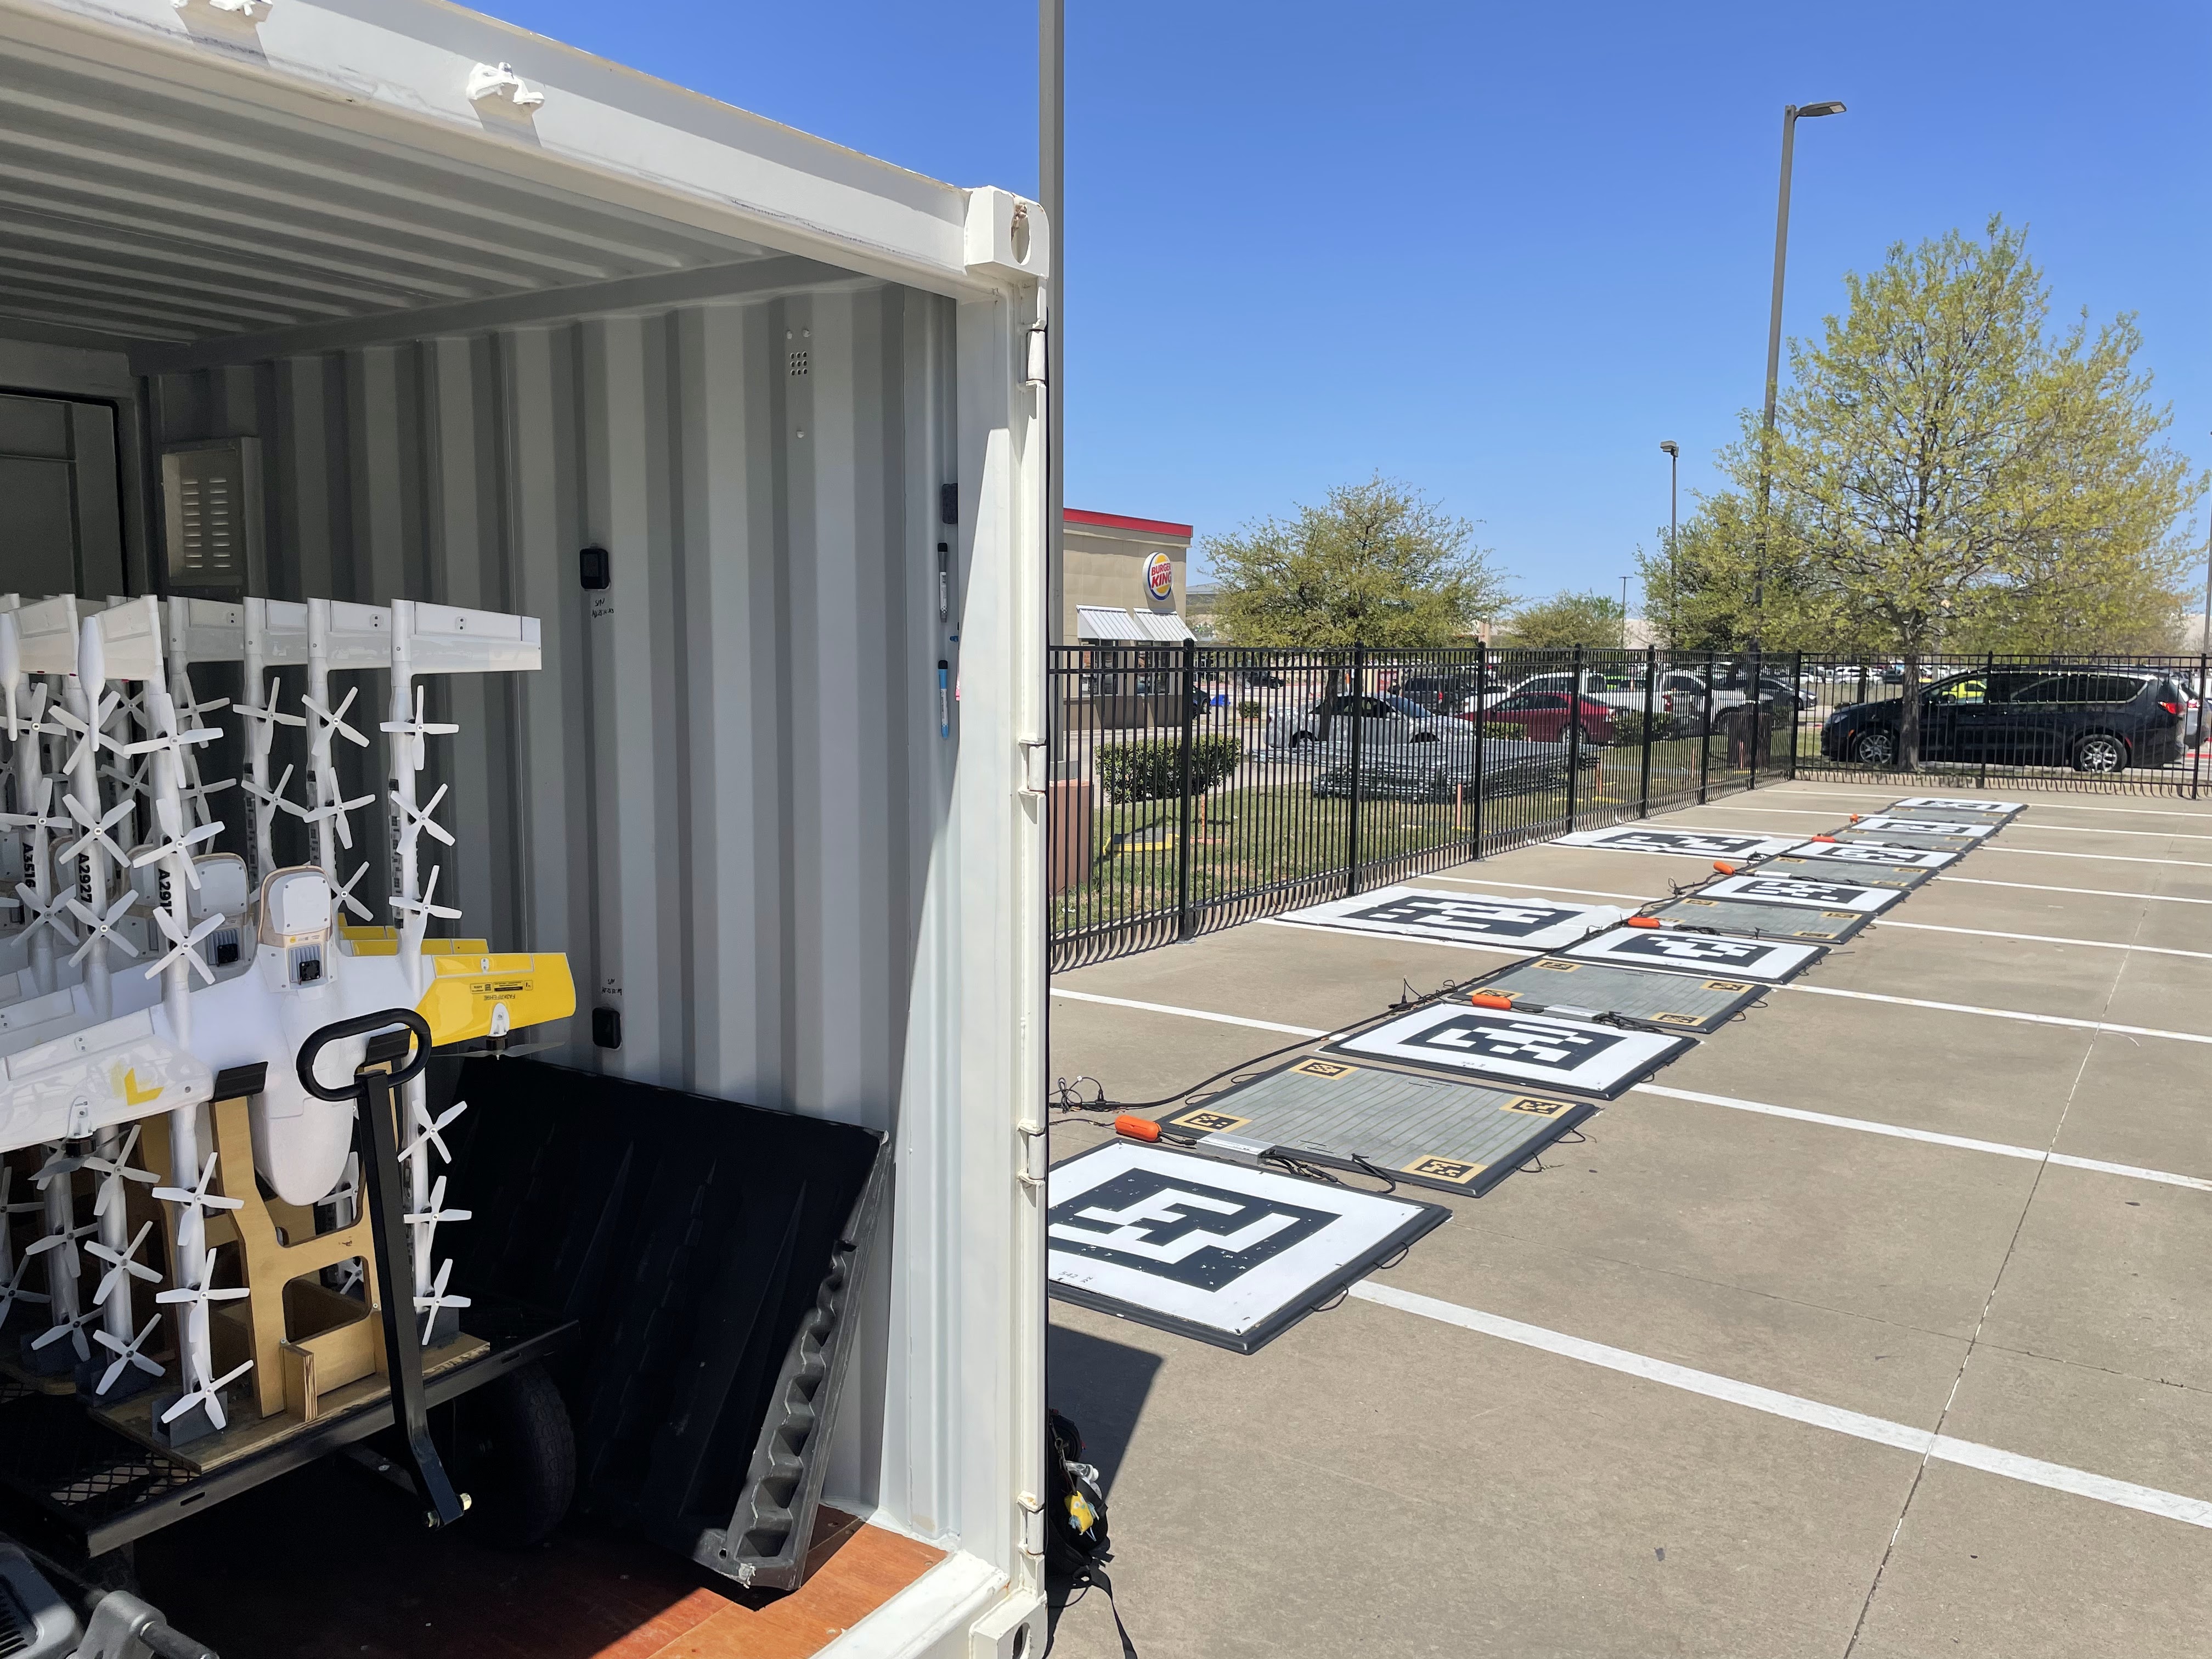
x: 479, y: 996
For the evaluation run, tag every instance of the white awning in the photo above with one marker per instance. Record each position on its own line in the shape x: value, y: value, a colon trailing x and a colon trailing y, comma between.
x: 1103, y: 623
x: 1164, y: 625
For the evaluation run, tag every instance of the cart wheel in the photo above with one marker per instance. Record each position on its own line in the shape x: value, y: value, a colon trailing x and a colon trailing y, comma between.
x: 515, y: 1456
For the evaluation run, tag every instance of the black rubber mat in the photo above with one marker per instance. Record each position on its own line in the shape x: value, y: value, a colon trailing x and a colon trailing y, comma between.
x: 1866, y: 872
x: 1834, y: 891
x: 1761, y: 920
x: 1828, y: 849
x: 1953, y: 844
x: 1944, y: 806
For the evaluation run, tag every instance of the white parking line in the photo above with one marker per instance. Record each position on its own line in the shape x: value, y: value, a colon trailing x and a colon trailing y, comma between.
x: 2002, y: 1013
x: 2092, y: 892
x: 2105, y: 858
x: 2048, y: 938
x: 1897, y: 1132
x: 1923, y: 1443
x: 2055, y: 829
x: 2055, y: 805
x: 1188, y: 1013
x: 1531, y: 887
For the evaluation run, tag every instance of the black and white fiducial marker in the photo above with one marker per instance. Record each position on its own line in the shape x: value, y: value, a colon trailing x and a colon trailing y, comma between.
x: 1873, y: 852
x: 1922, y: 825
x: 1536, y: 924
x: 1942, y: 806
x: 1228, y: 1254
x: 1532, y: 1050
x: 1689, y: 843
x: 1769, y: 961
x: 1762, y: 889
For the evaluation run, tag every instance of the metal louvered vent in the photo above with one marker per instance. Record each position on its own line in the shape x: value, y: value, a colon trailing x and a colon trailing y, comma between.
x: 798, y: 365
x: 209, y: 492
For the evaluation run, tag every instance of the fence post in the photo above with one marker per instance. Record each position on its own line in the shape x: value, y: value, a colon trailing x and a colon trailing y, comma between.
x: 1650, y: 696
x: 1989, y: 673
x: 1481, y: 691
x: 1796, y: 708
x: 1751, y: 704
x: 1186, y: 924
x: 1574, y: 734
x: 2204, y: 713
x: 1352, y: 834
x: 1705, y: 729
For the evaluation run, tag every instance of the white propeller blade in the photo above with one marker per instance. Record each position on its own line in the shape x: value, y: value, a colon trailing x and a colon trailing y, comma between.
x: 428, y: 1219
x: 127, y: 1354
x: 184, y: 946
x: 199, y: 1197
x: 122, y: 1265
x: 429, y: 1132
x: 266, y: 713
x: 422, y: 907
x: 337, y: 721
x: 344, y: 895
x: 275, y: 797
x: 91, y: 739
x: 98, y: 928
x: 114, y: 1171
x: 209, y: 1393
x: 15, y: 1292
x: 429, y: 1305
x: 37, y: 817
x: 417, y: 728
x: 71, y: 1329
x: 44, y: 913
x: 416, y: 819
x: 96, y: 828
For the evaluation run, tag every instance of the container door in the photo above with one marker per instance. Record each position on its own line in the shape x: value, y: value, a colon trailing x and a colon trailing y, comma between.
x: 61, y: 519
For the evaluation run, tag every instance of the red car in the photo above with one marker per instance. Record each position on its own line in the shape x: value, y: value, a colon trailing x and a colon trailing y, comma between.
x: 1542, y: 716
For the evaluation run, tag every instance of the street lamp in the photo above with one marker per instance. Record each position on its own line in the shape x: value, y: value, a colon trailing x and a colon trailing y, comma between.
x: 1673, y: 453
x: 1791, y: 114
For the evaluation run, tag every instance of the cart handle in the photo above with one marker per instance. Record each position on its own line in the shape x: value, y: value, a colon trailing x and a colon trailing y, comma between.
x: 313, y: 1047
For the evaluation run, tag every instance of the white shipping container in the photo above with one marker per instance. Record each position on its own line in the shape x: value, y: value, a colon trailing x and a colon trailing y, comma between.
x: 445, y: 303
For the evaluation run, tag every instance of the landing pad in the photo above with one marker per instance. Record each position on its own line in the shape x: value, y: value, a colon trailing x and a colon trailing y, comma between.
x: 1944, y: 806
x: 1229, y: 1255
x: 1690, y: 843
x: 1769, y: 961
x: 1953, y: 827
x: 1534, y: 1050
x: 1576, y: 990
x: 1766, y: 920
x: 1535, y: 924
x: 1863, y: 872
x: 1456, y: 1137
x: 1766, y: 888
x: 1869, y: 852
x: 1852, y: 835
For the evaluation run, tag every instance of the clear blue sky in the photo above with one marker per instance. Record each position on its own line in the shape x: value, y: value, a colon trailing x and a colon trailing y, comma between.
x: 1499, y: 252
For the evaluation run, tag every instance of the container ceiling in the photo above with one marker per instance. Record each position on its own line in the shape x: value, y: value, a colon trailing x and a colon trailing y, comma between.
x: 149, y: 212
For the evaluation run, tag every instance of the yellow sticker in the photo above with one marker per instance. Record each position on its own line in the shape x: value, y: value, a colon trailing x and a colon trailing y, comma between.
x: 135, y: 1095
x: 1842, y: 915
x: 1726, y: 985
x: 1678, y: 1019
x: 1211, y: 1123
x: 1322, y: 1068
x: 1456, y: 1170
x: 1558, y: 967
x: 1538, y: 1107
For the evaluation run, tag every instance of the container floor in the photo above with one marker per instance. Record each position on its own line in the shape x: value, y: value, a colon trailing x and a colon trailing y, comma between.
x: 328, y: 1563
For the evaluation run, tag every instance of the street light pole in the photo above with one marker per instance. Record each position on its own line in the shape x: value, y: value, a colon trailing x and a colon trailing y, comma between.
x: 1624, y: 613
x: 1791, y: 114
x: 1674, y: 452
x: 2204, y: 643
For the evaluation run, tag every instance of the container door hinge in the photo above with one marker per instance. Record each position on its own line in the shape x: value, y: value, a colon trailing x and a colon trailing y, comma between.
x: 1037, y: 1153
x: 1034, y: 355
x: 1037, y: 765
x: 1032, y: 1523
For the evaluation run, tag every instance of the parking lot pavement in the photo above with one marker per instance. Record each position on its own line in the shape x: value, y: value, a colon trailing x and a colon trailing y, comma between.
x: 1382, y: 1479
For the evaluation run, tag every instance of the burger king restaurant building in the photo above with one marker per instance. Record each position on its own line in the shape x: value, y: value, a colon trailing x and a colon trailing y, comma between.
x: 1120, y: 581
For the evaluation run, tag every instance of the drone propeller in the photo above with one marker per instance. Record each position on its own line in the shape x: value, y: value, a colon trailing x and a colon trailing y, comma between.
x: 422, y: 907
x: 37, y: 817
x: 199, y: 1197
x: 429, y: 1132
x: 52, y: 914
x: 114, y: 1172
x: 416, y: 819
x: 15, y: 1291
x: 98, y: 928
x: 183, y: 947
x: 72, y: 1328
x: 417, y: 729
x: 337, y: 807
x: 275, y: 797
x: 126, y: 1354
x: 194, y: 1299
x: 18, y: 723
x: 267, y: 713
x: 428, y: 1219
x: 342, y: 895
x: 337, y: 721
x: 429, y: 1305
x: 172, y: 818
x: 96, y: 828
x: 122, y: 1265
x: 91, y: 737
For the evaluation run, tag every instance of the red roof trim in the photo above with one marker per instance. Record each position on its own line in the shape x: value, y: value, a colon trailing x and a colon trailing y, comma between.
x: 1116, y: 521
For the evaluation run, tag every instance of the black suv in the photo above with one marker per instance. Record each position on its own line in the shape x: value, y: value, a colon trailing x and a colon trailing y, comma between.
x: 2092, y: 719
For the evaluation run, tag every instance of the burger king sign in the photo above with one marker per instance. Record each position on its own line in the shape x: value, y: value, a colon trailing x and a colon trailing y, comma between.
x: 1159, y: 576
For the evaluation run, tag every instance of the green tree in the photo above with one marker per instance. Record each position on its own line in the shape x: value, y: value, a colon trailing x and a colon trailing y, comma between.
x: 1566, y: 619
x: 1378, y: 564
x: 1939, y: 465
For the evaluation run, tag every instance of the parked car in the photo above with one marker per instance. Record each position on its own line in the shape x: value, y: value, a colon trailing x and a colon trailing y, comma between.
x: 1387, y: 718
x: 1545, y: 716
x: 1440, y: 693
x: 2094, y: 719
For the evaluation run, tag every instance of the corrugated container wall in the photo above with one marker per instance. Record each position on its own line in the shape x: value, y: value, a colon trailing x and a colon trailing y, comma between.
x: 722, y: 794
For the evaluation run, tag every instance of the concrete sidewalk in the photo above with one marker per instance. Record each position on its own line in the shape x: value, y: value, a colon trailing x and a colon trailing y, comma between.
x: 1379, y: 1482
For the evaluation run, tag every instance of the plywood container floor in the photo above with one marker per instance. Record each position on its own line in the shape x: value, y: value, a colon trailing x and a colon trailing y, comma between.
x: 329, y: 1563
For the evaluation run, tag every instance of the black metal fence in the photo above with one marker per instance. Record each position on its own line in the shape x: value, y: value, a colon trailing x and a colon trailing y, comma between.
x: 1198, y: 786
